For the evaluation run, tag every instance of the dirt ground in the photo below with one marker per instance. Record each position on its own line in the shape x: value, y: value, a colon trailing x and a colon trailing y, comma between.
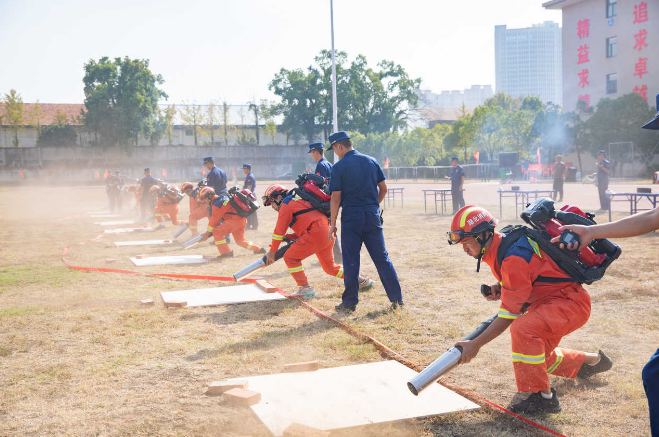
x: 80, y: 356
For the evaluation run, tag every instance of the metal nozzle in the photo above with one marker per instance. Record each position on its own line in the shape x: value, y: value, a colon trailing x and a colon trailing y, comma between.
x: 435, y: 370
x: 181, y: 230
x: 188, y: 244
x: 241, y: 274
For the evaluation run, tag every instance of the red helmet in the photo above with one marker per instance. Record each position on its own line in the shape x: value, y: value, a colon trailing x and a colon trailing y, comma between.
x: 206, y: 193
x: 273, y: 191
x: 470, y: 221
x: 155, y: 189
x: 186, y: 186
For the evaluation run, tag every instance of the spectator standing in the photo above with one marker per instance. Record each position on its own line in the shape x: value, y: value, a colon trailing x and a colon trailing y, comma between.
x: 560, y: 171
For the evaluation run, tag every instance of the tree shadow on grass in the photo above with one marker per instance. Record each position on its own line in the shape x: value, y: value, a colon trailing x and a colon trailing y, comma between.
x: 242, y: 312
x: 266, y: 340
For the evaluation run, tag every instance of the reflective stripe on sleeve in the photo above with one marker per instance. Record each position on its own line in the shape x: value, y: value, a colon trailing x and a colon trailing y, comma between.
x: 277, y: 237
x: 338, y: 275
x: 507, y: 315
x: 210, y: 228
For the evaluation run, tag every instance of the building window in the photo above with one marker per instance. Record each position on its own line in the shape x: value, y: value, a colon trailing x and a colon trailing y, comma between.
x: 611, y: 47
x: 611, y: 8
x: 611, y: 83
x: 188, y: 132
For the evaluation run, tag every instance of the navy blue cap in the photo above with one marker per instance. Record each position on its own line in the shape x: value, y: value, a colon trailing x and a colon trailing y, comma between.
x: 455, y: 158
x: 249, y: 166
x: 601, y: 152
x: 147, y: 169
x: 208, y: 159
x: 654, y: 123
x: 336, y: 137
x: 315, y: 146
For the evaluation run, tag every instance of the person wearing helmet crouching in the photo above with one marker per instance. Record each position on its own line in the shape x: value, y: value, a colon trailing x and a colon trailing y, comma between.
x: 310, y: 228
x: 167, y: 204
x: 198, y: 210
x: 224, y: 220
x: 539, y: 302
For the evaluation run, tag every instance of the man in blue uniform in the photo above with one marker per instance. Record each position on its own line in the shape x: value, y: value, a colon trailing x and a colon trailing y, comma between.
x: 217, y: 178
x: 147, y: 201
x: 358, y: 186
x: 603, y: 169
x: 323, y: 166
x: 324, y: 169
x: 457, y: 183
x: 114, y: 185
x: 250, y: 184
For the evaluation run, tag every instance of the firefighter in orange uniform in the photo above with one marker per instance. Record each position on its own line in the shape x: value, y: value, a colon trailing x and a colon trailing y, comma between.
x: 166, y: 207
x: 198, y: 210
x: 539, y: 302
x: 232, y: 223
x: 310, y: 229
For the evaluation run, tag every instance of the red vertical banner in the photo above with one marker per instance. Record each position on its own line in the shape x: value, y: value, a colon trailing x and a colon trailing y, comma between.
x: 203, y: 170
x: 97, y: 175
x: 537, y: 152
x: 22, y: 174
x: 477, y: 156
x: 164, y: 173
x: 106, y: 174
x: 386, y: 164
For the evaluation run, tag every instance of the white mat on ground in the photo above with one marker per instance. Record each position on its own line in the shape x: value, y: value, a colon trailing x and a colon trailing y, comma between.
x: 105, y: 215
x: 220, y: 295
x: 142, y: 242
x: 343, y: 397
x: 107, y: 211
x: 118, y: 222
x: 126, y: 230
x: 164, y: 260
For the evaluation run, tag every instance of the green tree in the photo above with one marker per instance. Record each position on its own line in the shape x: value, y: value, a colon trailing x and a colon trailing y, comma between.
x: 59, y: 134
x: 300, y: 101
x: 255, y: 110
x: 461, y: 136
x: 121, y: 97
x: 192, y: 116
x: 578, y: 129
x: 36, y: 118
x: 168, y: 117
x: 225, y: 117
x: 211, y: 120
x: 14, y: 114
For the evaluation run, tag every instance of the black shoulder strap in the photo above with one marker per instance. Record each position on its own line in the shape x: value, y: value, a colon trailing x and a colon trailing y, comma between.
x: 298, y: 213
x: 510, y: 234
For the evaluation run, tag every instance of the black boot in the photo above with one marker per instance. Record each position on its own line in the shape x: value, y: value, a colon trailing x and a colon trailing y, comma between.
x: 536, y: 404
x: 603, y: 365
x: 346, y: 308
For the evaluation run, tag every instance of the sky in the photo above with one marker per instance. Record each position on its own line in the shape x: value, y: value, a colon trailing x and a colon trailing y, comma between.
x: 229, y: 50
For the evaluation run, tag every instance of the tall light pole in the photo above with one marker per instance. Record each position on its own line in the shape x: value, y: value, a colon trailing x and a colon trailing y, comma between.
x: 335, y: 122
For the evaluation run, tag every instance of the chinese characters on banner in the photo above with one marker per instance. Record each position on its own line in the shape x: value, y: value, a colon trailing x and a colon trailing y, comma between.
x: 641, y: 67
x: 583, y: 31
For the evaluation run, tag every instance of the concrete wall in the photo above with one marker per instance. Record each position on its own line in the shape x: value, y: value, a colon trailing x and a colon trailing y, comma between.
x: 599, y: 66
x: 79, y: 164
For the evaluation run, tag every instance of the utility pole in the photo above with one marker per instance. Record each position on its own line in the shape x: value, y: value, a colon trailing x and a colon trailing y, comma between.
x: 335, y: 123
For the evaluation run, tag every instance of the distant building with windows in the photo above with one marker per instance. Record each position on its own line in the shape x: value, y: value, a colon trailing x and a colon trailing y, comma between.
x: 528, y: 61
x: 471, y: 97
x: 610, y: 48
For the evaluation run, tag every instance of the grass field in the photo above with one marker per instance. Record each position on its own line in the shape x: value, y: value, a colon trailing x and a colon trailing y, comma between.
x: 80, y: 356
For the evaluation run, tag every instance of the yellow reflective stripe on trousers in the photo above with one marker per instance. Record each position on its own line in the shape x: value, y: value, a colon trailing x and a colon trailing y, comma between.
x: 295, y: 269
x: 217, y: 243
x: 193, y: 227
x: 338, y: 275
x: 277, y: 237
x: 463, y: 219
x: 249, y: 246
x: 157, y: 215
x: 528, y: 359
x: 535, y: 247
x: 559, y: 359
x: 507, y: 315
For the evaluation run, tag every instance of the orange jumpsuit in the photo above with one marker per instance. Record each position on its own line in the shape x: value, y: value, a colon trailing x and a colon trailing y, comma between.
x: 198, y: 211
x: 233, y: 224
x: 166, y: 206
x: 552, y: 311
x: 311, y: 230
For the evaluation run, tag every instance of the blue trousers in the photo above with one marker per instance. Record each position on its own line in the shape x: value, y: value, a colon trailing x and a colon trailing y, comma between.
x: 359, y: 227
x: 651, y: 386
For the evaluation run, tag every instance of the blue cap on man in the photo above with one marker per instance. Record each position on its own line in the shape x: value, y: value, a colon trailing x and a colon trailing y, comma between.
x: 315, y: 146
x: 654, y: 123
x: 455, y: 158
x: 601, y: 152
x: 208, y: 159
x: 336, y: 137
x: 247, y: 166
x: 147, y: 169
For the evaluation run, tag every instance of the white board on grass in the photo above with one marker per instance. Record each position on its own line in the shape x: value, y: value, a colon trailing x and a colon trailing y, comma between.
x: 343, y: 397
x: 114, y: 223
x: 105, y: 215
x: 220, y: 295
x: 142, y: 242
x: 164, y: 260
x: 126, y: 230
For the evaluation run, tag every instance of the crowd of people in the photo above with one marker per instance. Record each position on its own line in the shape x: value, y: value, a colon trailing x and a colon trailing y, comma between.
x: 539, y: 301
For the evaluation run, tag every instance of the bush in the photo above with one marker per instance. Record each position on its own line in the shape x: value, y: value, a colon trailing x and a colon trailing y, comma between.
x: 58, y: 135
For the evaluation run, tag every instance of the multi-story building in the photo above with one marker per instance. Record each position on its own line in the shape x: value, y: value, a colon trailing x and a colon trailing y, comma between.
x: 528, y: 61
x: 610, y: 48
x: 470, y: 97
